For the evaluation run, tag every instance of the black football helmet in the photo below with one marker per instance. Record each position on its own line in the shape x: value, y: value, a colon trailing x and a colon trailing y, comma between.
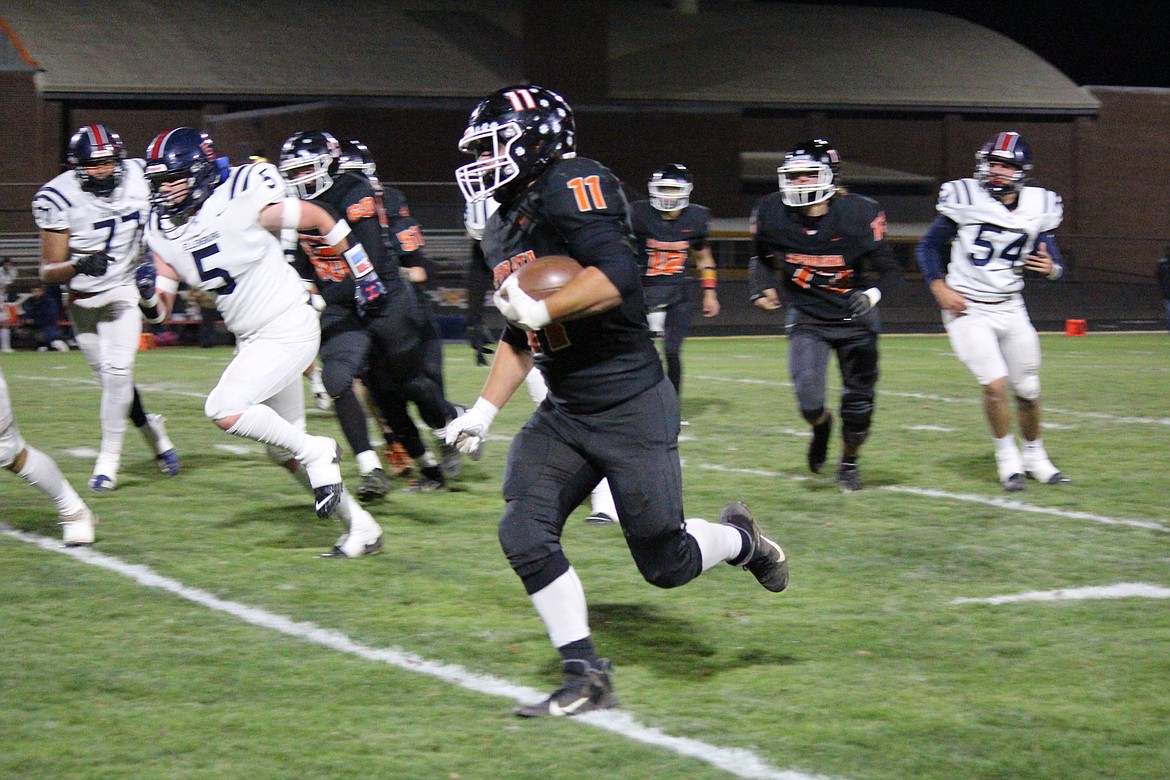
x: 308, y: 161
x: 93, y: 145
x: 513, y: 134
x: 1009, y: 148
x: 815, y: 157
x: 182, y: 154
x: 670, y: 188
x: 355, y: 156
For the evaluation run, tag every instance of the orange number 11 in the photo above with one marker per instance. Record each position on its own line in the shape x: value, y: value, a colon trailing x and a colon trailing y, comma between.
x: 587, y: 191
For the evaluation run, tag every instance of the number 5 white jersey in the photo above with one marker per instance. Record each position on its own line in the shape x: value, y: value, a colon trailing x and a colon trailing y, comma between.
x: 223, y: 249
x: 987, y: 255
x: 112, y: 225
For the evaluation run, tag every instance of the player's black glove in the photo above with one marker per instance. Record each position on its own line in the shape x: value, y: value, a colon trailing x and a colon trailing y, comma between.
x: 92, y: 265
x: 861, y: 301
x: 368, y: 293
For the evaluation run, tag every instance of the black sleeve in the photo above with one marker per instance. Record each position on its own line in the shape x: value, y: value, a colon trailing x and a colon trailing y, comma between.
x: 881, y: 259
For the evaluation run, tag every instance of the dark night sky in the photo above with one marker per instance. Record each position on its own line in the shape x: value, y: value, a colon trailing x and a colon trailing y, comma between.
x: 1108, y: 42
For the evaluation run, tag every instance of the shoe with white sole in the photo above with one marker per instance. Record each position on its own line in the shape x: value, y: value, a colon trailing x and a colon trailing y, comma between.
x: 77, y: 529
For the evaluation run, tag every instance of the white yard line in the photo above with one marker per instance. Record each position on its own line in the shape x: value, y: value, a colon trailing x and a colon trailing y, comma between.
x: 1113, y: 418
x: 735, y: 761
x: 1122, y: 590
x: 1002, y: 503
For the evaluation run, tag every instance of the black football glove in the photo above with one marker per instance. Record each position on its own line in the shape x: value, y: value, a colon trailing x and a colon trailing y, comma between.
x: 92, y: 265
x: 861, y: 301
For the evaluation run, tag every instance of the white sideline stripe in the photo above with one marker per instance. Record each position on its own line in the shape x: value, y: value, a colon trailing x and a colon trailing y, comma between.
x: 735, y: 761
x: 1003, y: 503
x: 1122, y: 590
x: 948, y: 400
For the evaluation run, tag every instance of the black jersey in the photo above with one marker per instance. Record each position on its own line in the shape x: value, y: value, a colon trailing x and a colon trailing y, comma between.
x: 577, y: 208
x: 350, y: 198
x: 663, y: 245
x: 820, y: 259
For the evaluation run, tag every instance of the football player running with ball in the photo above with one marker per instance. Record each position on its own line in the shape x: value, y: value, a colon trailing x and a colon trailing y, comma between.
x: 214, y: 228
x: 999, y: 228
x: 820, y: 239
x: 610, y: 411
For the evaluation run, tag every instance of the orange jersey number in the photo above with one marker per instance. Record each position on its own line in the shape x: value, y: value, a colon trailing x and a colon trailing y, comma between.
x: 587, y: 191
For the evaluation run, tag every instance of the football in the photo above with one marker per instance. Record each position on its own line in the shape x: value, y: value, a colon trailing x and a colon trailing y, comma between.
x: 545, y: 275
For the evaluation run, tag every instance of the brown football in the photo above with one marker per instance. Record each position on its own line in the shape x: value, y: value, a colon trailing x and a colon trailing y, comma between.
x: 545, y: 275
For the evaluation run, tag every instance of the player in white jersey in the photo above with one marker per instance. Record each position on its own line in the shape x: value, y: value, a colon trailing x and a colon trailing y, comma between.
x: 91, y: 222
x: 214, y: 228
x: 38, y: 469
x: 999, y: 228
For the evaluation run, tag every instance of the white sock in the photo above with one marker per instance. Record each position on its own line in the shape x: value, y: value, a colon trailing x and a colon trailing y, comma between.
x: 561, y: 605
x: 601, y: 500
x: 155, y: 434
x: 117, y: 395
x: 41, y: 472
x: 1006, y: 444
x: 368, y: 461
x: 717, y: 543
x: 1035, y: 447
x: 261, y: 423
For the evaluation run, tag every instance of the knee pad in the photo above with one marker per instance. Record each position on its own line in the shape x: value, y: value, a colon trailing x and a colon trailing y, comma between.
x: 11, y: 445
x: 537, y: 562
x: 812, y: 415
x: 336, y: 381
x: 218, y: 405
x: 1028, y: 387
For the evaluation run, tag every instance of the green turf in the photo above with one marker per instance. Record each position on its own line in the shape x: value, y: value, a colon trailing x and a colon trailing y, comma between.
x: 863, y: 669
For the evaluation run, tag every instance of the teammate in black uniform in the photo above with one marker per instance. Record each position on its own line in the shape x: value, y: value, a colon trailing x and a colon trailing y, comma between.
x: 668, y: 229
x: 371, y: 326
x: 819, y: 239
x: 609, y: 410
x: 403, y: 238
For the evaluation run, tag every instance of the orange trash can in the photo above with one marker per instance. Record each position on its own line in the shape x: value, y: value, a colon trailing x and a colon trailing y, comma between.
x: 1075, y: 327
x: 146, y: 341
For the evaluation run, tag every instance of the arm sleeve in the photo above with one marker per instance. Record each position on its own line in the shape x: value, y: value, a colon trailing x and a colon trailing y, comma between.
x: 603, y: 244
x: 928, y: 253
x: 889, y: 272
x: 1049, y: 240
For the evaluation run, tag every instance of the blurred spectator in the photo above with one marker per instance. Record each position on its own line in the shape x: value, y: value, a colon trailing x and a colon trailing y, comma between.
x: 7, y: 277
x: 1164, y: 281
x: 42, y: 310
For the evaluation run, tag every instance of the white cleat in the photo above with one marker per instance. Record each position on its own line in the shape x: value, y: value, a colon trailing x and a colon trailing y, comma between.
x: 1040, y: 468
x: 77, y: 529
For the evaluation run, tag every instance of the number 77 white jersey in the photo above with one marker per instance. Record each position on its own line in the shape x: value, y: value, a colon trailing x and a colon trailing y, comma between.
x: 987, y: 255
x: 223, y: 249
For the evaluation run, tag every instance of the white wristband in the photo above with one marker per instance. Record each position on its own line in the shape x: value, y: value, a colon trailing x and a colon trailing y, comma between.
x: 486, y: 408
x: 359, y: 261
x: 336, y: 233
x: 166, y: 284
x: 874, y: 295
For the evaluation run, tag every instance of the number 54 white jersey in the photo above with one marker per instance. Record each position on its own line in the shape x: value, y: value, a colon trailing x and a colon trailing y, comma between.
x: 987, y: 255
x: 223, y: 249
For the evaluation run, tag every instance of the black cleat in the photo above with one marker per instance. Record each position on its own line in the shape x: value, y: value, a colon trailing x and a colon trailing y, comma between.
x: 761, y: 556
x: 430, y: 480
x: 818, y: 448
x: 374, y: 486
x: 1014, y: 483
x: 849, y: 478
x: 326, y: 498
x: 586, y: 688
x: 601, y: 518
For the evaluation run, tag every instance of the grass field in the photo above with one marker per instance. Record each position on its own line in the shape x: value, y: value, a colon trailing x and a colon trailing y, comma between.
x: 206, y: 641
